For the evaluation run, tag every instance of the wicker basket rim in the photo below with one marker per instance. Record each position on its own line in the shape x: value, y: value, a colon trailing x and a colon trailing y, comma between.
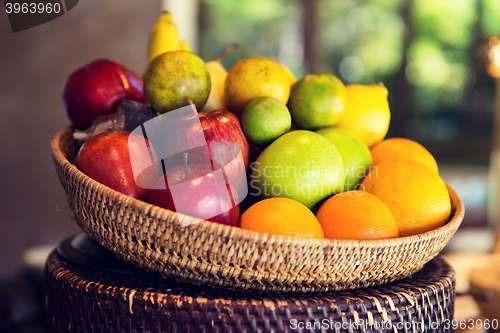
x: 456, y: 216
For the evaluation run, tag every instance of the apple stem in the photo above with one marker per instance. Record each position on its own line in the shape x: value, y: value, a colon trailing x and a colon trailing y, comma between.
x: 186, y: 171
x: 227, y: 50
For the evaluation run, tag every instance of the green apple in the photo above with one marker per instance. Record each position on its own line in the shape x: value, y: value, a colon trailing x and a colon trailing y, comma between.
x: 317, y: 100
x: 355, y: 154
x: 300, y: 165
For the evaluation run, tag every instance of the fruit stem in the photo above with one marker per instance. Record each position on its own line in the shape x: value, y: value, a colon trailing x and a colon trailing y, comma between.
x: 226, y: 51
x: 193, y: 106
x: 186, y: 171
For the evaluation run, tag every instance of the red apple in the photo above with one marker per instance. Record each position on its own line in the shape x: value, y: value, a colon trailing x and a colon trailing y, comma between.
x: 106, y: 158
x: 216, y: 139
x: 224, y: 126
x: 178, y: 173
x: 225, y: 140
x: 96, y: 89
x: 204, y: 194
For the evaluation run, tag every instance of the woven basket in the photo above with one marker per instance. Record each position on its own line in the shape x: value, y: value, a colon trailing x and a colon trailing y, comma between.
x: 79, y: 299
x: 209, y: 253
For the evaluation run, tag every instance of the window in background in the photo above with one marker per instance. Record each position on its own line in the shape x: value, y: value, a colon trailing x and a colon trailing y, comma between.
x: 427, y: 52
x: 429, y: 55
x: 271, y: 28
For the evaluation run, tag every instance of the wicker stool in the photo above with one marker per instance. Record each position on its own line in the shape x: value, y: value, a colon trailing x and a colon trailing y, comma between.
x: 88, y: 290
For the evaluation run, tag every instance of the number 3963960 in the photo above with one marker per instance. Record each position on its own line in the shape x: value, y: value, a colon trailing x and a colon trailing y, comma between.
x: 32, y: 8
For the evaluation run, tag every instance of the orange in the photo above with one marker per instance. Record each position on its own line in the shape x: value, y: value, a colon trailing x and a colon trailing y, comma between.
x: 417, y: 197
x: 281, y: 216
x: 288, y: 73
x: 356, y: 215
x: 255, y: 77
x: 403, y: 149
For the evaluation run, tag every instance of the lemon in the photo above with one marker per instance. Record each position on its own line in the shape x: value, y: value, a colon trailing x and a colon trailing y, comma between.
x: 216, y: 99
x: 367, y: 114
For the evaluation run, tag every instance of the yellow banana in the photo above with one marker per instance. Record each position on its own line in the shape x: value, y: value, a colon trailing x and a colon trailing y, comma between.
x: 184, y: 46
x: 163, y: 36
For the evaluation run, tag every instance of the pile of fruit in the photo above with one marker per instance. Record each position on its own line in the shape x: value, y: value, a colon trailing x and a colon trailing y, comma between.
x: 300, y: 157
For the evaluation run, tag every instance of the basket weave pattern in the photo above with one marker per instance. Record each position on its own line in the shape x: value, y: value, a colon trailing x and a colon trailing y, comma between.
x: 208, y: 253
x: 83, y: 300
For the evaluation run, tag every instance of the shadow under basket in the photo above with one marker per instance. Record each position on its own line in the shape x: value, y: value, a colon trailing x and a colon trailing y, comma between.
x: 229, y: 257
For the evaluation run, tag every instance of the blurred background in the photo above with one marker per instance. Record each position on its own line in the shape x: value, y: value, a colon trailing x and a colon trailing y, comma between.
x: 438, y: 59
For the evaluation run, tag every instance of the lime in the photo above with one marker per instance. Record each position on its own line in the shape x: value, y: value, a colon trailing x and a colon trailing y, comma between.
x: 265, y: 119
x: 355, y: 154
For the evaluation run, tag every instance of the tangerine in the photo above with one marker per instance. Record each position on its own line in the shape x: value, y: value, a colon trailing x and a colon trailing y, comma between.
x: 403, y: 149
x: 252, y: 78
x: 356, y: 215
x: 281, y: 216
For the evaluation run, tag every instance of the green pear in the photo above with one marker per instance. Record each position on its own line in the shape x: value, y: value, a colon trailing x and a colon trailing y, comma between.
x: 300, y: 165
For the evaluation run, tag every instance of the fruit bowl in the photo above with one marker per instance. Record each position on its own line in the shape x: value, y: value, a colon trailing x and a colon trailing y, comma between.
x: 208, y: 253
